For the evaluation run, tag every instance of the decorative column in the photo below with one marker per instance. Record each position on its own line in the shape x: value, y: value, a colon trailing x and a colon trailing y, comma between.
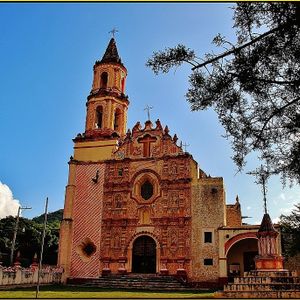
x: 122, y: 261
x: 34, y: 264
x: 181, y: 271
x: 268, y: 258
x: 106, y: 266
x: 163, y: 266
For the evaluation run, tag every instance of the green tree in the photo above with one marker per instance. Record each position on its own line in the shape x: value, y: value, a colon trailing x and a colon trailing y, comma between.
x: 55, y: 216
x: 290, y: 229
x: 28, y: 240
x: 253, y: 86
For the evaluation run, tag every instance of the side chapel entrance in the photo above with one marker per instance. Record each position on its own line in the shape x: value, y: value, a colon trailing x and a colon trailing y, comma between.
x: 144, y: 255
x: 240, y: 257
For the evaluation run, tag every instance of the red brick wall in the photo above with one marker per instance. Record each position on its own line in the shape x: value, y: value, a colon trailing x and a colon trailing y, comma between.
x: 87, y: 215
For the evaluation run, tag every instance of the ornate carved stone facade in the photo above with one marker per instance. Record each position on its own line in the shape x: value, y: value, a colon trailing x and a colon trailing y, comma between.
x: 135, y: 201
x: 165, y: 214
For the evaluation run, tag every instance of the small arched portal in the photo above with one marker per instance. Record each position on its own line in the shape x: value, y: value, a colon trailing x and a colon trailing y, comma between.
x: 144, y: 255
x: 240, y: 257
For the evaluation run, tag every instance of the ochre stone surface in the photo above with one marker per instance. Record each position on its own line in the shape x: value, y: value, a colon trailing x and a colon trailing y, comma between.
x: 233, y: 215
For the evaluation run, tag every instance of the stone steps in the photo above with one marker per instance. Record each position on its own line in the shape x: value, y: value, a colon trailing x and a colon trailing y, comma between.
x: 132, y: 281
x: 261, y: 287
x: 266, y: 280
x: 259, y: 295
x: 263, y: 284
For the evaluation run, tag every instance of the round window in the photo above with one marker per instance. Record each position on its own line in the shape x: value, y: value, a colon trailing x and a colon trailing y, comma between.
x: 146, y: 190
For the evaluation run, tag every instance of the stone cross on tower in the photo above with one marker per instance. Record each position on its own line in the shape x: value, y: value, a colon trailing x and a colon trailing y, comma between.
x: 113, y: 32
x: 148, y: 108
x: 262, y: 176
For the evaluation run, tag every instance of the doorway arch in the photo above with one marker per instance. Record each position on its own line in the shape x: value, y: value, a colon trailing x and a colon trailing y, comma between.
x: 240, y: 256
x: 144, y: 255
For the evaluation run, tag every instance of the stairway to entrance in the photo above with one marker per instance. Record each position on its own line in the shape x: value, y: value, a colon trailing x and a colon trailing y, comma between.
x: 263, y: 284
x: 133, y: 281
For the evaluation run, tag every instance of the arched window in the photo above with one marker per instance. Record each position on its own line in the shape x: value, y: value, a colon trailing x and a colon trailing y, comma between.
x: 146, y: 190
x: 117, y: 119
x: 99, y: 116
x: 104, y: 80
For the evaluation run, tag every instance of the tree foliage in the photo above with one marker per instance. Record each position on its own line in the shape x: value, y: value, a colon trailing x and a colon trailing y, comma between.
x: 253, y: 86
x: 28, y: 241
x: 55, y: 216
x: 290, y: 229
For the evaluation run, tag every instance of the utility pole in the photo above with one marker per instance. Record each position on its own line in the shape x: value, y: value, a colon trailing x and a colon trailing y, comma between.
x: 42, y: 249
x: 15, y: 234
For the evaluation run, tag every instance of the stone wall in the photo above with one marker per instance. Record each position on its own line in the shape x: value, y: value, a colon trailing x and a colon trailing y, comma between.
x: 208, y: 214
x: 233, y: 215
x: 20, y: 276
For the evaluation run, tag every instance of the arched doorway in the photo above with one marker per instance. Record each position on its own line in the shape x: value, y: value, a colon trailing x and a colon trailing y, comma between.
x: 240, y: 257
x: 144, y: 255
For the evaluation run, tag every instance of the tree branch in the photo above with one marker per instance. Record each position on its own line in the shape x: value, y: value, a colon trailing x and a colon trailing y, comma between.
x: 275, y: 112
x: 235, y: 50
x: 283, y: 82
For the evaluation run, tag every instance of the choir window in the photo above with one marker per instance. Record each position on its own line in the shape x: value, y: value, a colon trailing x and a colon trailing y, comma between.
x: 146, y: 190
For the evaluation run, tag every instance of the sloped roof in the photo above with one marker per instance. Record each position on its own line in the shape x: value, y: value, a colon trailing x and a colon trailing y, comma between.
x: 111, y: 54
x: 266, y: 224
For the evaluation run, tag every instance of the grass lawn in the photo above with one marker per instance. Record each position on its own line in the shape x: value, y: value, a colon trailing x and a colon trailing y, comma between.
x: 91, y: 292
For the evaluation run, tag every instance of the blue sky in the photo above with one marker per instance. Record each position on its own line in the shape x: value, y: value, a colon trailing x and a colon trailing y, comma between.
x: 47, y: 52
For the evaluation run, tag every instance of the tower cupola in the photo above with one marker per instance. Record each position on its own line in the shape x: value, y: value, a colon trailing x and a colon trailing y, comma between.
x: 107, y: 104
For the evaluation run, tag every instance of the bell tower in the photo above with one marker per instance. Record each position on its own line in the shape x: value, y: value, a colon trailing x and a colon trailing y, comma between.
x: 106, y: 119
x: 107, y: 104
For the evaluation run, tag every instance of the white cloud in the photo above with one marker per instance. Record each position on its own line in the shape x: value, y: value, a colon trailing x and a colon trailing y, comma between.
x: 248, y: 207
x: 286, y: 210
x: 276, y: 220
x: 8, y: 205
x: 282, y: 196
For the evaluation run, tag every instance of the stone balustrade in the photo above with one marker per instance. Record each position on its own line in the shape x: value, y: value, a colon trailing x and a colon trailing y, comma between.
x: 18, y: 276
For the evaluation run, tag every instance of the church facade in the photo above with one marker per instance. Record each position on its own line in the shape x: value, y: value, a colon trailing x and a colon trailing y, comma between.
x: 136, y: 202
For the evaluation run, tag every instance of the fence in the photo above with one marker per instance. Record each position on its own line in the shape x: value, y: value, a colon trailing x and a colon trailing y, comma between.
x: 18, y: 276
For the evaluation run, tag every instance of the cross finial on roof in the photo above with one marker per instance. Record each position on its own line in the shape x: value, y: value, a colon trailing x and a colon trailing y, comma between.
x: 185, y: 145
x: 262, y: 177
x: 265, y: 193
x: 148, y: 110
x: 113, y: 31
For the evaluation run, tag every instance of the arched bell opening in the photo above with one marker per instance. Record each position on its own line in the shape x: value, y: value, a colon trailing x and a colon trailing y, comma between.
x: 104, y: 80
x: 117, y: 119
x: 99, y: 117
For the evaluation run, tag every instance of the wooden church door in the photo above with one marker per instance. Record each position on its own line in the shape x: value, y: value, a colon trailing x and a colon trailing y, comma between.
x: 144, y: 255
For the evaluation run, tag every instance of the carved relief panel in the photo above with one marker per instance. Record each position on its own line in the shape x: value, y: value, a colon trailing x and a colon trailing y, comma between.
x: 176, y: 168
